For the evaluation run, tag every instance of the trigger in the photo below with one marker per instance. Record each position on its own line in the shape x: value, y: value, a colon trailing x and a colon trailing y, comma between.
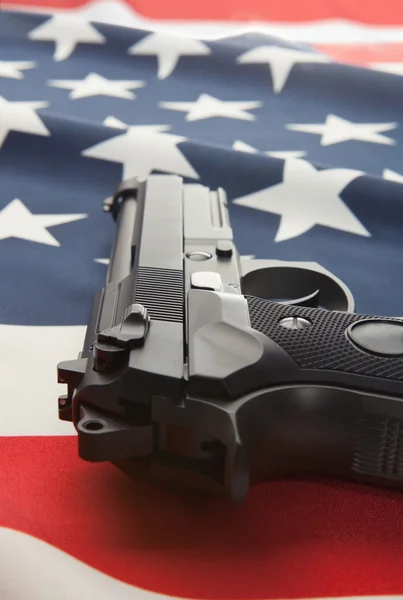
x: 312, y: 301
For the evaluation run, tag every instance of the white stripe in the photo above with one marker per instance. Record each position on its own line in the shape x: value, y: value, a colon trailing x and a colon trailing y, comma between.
x: 28, y: 382
x: 331, y: 31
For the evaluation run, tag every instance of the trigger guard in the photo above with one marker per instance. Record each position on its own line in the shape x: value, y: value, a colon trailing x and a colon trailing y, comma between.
x: 274, y: 280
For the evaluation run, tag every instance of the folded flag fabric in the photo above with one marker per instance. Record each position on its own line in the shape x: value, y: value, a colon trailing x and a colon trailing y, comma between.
x: 309, y: 153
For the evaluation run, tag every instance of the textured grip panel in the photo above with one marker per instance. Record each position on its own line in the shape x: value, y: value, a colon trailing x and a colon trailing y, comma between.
x: 161, y: 292
x: 379, y: 447
x: 323, y: 345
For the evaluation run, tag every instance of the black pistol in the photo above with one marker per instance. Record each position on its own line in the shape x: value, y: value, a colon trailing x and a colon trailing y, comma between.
x: 214, y: 371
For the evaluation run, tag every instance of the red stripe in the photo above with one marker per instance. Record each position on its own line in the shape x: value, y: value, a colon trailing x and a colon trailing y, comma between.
x: 387, y: 12
x: 363, y: 54
x: 290, y: 539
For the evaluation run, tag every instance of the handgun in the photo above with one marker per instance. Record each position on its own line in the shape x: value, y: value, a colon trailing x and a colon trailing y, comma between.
x: 215, y: 371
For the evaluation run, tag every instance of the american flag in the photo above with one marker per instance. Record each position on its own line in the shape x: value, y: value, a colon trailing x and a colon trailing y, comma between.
x: 308, y: 149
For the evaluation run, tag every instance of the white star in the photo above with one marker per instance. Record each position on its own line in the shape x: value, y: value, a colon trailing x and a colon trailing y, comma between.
x: 21, y: 116
x: 17, y: 221
x: 284, y: 154
x: 168, y: 49
x: 66, y: 31
x: 281, y: 61
x: 118, y: 124
x: 336, y: 130
x: 306, y: 198
x: 396, y: 68
x: 207, y: 106
x: 13, y: 68
x: 392, y: 176
x: 243, y: 147
x: 96, y: 85
x: 142, y: 149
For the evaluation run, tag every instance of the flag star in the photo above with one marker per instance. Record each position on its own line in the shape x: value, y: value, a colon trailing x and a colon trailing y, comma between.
x: 335, y: 130
x: 305, y: 198
x: 21, y: 116
x: 118, y: 124
x: 207, y: 106
x: 243, y: 147
x: 396, y: 68
x: 392, y: 176
x: 66, y: 31
x: 142, y: 149
x: 17, y: 221
x: 13, y: 68
x: 114, y: 122
x: 280, y: 61
x: 284, y: 154
x: 168, y: 49
x: 96, y: 85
